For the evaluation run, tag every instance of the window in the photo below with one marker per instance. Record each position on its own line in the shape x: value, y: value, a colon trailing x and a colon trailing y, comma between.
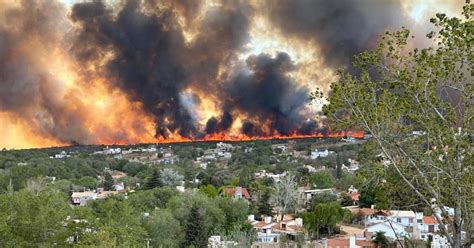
x: 410, y: 220
x: 399, y: 220
x: 419, y: 221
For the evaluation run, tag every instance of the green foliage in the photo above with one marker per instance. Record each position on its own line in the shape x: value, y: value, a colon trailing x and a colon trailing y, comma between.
x: 234, y: 212
x: 27, y: 219
x: 87, y: 182
x: 325, y: 197
x: 263, y: 206
x: 209, y: 190
x: 380, y: 240
x: 153, y: 181
x: 373, y: 195
x: 163, y: 229
x: 108, y: 182
x: 417, y: 105
x: 322, y: 219
x: 170, y: 177
x: 322, y: 180
x: 195, y: 230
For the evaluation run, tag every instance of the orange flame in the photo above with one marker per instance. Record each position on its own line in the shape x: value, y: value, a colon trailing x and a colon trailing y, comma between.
x: 176, y: 138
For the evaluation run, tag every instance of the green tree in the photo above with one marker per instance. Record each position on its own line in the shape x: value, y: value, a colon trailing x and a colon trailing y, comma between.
x: 322, y: 180
x: 195, y: 229
x: 108, y: 182
x: 209, y: 190
x: 235, y: 212
x: 263, y: 205
x: 322, y: 219
x: 380, y: 240
x: 417, y: 105
x: 373, y: 195
x: 153, y: 181
x: 170, y: 177
x: 87, y: 182
x: 338, y: 167
x: 29, y: 219
x: 324, y: 197
x: 163, y: 229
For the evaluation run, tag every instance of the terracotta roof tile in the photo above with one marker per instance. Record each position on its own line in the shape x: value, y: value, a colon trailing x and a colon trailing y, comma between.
x: 429, y: 220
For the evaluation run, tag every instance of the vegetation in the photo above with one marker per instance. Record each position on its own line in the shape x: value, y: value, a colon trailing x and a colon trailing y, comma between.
x: 417, y: 105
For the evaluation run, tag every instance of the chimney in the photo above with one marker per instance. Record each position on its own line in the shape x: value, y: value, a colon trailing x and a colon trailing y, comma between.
x: 372, y: 206
x: 251, y: 218
x: 299, y: 222
x: 352, y: 241
x: 267, y: 219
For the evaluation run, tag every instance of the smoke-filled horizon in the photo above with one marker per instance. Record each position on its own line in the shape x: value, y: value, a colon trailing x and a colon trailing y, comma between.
x: 96, y: 72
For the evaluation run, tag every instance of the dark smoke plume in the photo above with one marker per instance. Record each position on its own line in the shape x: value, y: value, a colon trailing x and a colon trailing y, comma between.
x: 342, y: 28
x: 267, y: 94
x: 27, y: 90
x: 151, y: 62
x: 154, y: 51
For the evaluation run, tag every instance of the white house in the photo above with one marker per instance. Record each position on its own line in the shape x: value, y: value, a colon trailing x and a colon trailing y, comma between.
x: 224, y: 146
x: 391, y: 230
x: 81, y: 198
x: 405, y: 218
x: 62, y: 154
x: 320, y: 154
x: 270, y: 232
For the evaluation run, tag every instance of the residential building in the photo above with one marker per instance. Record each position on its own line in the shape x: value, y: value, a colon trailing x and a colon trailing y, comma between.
x: 306, y: 195
x: 237, y: 193
x: 320, y: 154
x: 351, y: 242
x: 391, y: 230
x: 269, y: 231
x: 81, y: 198
x: 62, y: 154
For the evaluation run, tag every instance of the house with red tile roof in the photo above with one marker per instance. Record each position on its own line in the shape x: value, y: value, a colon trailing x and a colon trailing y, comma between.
x: 269, y: 231
x: 351, y: 242
x: 236, y: 192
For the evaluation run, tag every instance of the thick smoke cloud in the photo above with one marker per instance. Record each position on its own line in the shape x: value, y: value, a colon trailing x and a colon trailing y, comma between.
x: 164, y: 55
x: 267, y: 95
x: 341, y: 28
x: 149, y: 58
x: 152, y: 62
x: 27, y: 89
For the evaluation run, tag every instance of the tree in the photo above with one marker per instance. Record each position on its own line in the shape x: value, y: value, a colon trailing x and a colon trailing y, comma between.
x: 108, y: 182
x: 33, y: 218
x: 285, y: 195
x: 154, y: 180
x: 195, y: 231
x: 170, y: 177
x: 373, y: 195
x: 263, y: 206
x: 163, y: 229
x: 417, y: 105
x: 323, y: 218
x: 338, y: 167
x: 235, y: 212
x: 324, y: 197
x: 322, y: 180
x: 209, y: 190
x: 380, y: 240
x: 87, y: 182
